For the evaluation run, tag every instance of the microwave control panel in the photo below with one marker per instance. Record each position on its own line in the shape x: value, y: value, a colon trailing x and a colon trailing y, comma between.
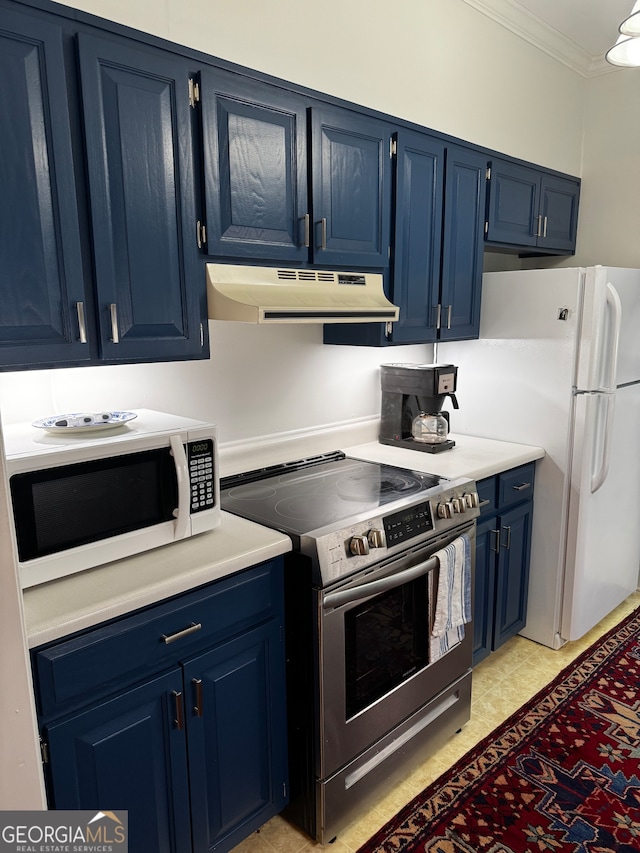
x: 201, y: 474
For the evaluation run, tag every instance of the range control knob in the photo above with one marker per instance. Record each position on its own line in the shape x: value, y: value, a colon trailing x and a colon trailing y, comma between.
x: 471, y: 500
x: 445, y: 510
x: 459, y: 505
x: 376, y: 538
x: 359, y: 546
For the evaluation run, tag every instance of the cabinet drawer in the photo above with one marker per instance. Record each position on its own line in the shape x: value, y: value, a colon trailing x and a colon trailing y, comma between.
x: 487, y: 491
x: 516, y: 485
x: 74, y: 672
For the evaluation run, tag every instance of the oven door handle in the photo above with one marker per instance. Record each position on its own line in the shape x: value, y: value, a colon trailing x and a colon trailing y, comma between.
x: 365, y: 590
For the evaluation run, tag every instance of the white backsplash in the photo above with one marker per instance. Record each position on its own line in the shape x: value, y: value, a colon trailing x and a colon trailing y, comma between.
x: 259, y: 381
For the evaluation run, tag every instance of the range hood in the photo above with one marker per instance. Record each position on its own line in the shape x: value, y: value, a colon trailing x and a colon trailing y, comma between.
x: 253, y: 294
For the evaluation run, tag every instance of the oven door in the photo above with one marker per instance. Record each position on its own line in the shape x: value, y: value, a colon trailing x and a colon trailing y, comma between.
x: 374, y: 668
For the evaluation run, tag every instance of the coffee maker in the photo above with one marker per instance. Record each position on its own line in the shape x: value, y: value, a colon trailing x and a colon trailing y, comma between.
x: 412, y: 400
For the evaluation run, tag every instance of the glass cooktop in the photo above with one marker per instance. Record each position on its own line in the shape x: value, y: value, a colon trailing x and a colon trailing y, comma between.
x: 301, y: 500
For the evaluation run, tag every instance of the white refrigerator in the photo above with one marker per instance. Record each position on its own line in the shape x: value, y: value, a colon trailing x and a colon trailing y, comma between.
x: 558, y: 365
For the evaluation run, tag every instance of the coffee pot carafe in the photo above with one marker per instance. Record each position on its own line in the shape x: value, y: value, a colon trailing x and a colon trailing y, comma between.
x: 412, y: 400
x: 430, y: 428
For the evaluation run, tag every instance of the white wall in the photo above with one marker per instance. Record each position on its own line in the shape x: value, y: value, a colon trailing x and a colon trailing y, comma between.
x: 441, y: 64
x: 609, y: 224
x: 259, y: 381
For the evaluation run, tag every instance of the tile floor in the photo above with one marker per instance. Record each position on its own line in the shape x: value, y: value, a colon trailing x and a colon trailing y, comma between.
x: 501, y: 684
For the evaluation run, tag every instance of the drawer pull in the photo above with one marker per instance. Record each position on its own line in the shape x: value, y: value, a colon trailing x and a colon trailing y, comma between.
x: 179, y: 720
x: 197, y: 683
x: 522, y: 487
x: 484, y: 503
x: 171, y: 638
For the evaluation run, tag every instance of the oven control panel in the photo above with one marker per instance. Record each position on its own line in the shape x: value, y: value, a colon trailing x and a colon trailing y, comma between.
x: 346, y: 549
x: 406, y: 524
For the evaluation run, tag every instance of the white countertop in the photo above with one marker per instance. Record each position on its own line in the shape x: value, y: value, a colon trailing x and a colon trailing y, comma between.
x: 471, y: 457
x: 53, y: 610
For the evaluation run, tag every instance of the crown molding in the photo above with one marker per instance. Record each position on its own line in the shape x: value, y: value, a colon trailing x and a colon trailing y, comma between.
x: 536, y: 32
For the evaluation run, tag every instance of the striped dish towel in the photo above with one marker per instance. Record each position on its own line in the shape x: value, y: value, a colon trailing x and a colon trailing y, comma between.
x: 453, y: 597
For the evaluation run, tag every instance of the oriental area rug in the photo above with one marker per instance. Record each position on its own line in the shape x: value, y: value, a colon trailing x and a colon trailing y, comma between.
x: 562, y: 774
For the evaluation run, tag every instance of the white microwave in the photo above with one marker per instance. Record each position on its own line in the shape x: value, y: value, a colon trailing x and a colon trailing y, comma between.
x: 84, y: 498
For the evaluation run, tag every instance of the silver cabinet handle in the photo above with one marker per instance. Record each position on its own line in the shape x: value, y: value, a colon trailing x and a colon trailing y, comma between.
x: 82, y: 325
x: 115, y: 335
x: 179, y: 719
x: 323, y: 232
x: 449, y: 307
x: 507, y: 545
x: 171, y: 638
x: 201, y: 234
x: 496, y: 547
x: 522, y: 487
x: 484, y: 503
x: 539, y: 228
x: 544, y: 227
x: 439, y: 315
x: 307, y: 230
x: 197, y: 683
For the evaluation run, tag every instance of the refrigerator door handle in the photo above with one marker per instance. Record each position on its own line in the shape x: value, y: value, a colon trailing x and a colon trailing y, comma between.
x: 615, y: 308
x: 598, y: 477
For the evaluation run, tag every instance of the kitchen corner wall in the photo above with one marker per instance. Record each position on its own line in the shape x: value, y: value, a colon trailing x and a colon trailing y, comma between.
x: 261, y: 381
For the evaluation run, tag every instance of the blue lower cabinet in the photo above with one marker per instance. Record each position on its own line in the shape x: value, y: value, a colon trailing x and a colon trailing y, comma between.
x: 196, y: 753
x: 503, y: 550
x: 127, y: 753
x: 237, y: 751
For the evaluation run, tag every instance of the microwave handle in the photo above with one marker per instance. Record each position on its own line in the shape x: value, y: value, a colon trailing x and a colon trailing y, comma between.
x: 182, y: 514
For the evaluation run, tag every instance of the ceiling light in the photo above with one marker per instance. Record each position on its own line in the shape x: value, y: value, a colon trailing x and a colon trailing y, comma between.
x: 631, y: 25
x: 625, y: 52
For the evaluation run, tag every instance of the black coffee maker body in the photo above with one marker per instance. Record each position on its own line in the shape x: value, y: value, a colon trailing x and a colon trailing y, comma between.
x: 415, y: 391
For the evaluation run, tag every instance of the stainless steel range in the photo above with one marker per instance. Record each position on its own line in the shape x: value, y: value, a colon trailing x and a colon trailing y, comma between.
x: 365, y: 698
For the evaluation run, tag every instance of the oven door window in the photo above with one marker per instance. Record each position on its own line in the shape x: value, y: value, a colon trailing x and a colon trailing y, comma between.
x: 386, y: 642
x: 60, y: 508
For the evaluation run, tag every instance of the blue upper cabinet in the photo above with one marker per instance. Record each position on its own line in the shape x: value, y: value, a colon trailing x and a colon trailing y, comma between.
x: 417, y: 236
x: 258, y: 159
x: 437, y: 254
x: 42, y: 296
x: 255, y: 158
x: 141, y: 183
x: 531, y: 209
x: 351, y: 189
x: 463, y: 244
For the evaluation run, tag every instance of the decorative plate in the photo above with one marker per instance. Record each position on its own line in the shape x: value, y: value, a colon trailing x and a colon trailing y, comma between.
x: 84, y: 421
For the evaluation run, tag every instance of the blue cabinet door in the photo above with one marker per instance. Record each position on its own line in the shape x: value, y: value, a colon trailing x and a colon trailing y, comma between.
x: 484, y: 591
x: 42, y: 292
x: 129, y: 753
x: 255, y: 157
x: 463, y: 244
x: 559, y: 211
x: 417, y: 236
x: 237, y: 737
x: 351, y: 188
x: 151, y: 293
x: 512, y: 578
x: 513, y: 204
